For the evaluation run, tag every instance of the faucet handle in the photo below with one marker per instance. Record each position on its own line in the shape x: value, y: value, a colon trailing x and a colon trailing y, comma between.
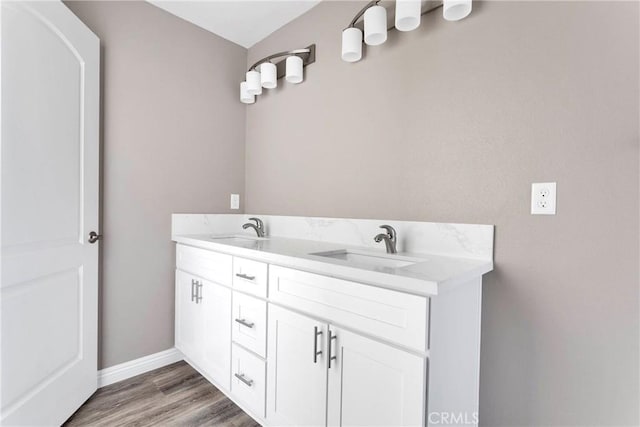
x: 258, y: 221
x: 390, y: 231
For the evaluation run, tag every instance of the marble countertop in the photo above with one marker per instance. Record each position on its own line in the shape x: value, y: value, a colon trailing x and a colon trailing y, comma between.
x: 428, y: 275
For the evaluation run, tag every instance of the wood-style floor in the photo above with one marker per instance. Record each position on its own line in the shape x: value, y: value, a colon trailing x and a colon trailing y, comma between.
x: 175, y: 395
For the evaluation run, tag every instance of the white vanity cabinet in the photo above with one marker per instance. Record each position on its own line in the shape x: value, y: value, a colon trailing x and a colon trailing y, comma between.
x: 384, y: 313
x: 297, y: 369
x: 248, y: 380
x: 189, y: 317
x: 203, y: 312
x: 249, y: 335
x: 249, y: 327
x: 216, y: 336
x: 373, y: 384
x: 250, y: 277
x: 298, y: 348
x: 369, y: 383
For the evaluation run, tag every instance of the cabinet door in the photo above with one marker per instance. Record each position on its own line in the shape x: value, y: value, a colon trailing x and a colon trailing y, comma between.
x: 296, y: 380
x: 215, y: 337
x: 374, y: 384
x: 188, y: 317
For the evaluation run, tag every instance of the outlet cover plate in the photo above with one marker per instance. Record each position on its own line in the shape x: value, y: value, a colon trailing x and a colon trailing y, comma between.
x: 235, y: 201
x: 543, y: 198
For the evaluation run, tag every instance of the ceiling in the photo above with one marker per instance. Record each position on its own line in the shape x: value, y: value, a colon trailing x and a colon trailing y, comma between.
x: 244, y: 22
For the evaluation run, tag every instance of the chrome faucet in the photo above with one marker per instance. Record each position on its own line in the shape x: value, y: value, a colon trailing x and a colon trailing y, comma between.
x: 389, y: 239
x: 258, y: 226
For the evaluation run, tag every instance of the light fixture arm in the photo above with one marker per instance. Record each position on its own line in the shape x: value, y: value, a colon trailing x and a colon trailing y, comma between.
x: 359, y: 15
x: 297, y: 52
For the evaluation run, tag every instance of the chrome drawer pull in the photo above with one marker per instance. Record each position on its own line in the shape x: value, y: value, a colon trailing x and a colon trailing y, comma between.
x: 244, y: 322
x: 193, y: 293
x: 331, y: 338
x: 245, y: 276
x: 316, y: 353
x: 243, y: 379
x: 198, y: 292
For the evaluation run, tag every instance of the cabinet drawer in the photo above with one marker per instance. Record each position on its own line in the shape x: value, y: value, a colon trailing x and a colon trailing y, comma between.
x: 250, y: 323
x: 248, y: 380
x: 209, y: 265
x: 250, y: 276
x: 390, y: 315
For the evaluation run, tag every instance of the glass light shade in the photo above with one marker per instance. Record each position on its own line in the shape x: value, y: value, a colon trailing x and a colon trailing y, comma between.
x: 455, y: 10
x: 294, y: 69
x: 269, y: 75
x: 375, y: 25
x: 245, y: 97
x: 408, y: 14
x: 254, y: 87
x: 352, y: 44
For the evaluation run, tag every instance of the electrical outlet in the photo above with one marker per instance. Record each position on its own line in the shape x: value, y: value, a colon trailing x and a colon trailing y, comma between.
x: 543, y: 198
x: 235, y: 201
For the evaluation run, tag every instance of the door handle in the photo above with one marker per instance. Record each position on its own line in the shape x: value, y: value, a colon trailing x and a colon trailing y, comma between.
x: 242, y: 378
x: 94, y: 237
x: 316, y: 353
x: 193, y: 286
x: 244, y: 322
x: 331, y: 338
x: 245, y: 276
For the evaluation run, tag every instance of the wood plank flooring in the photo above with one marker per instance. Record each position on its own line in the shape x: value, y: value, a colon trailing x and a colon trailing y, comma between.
x: 175, y: 395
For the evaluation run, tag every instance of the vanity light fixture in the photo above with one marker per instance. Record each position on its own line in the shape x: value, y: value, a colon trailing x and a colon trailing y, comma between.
x: 408, y: 14
x: 407, y: 18
x: 269, y: 75
x: 455, y: 10
x: 254, y: 86
x: 352, y: 44
x: 375, y: 25
x: 293, y: 73
x: 245, y: 96
x: 265, y: 73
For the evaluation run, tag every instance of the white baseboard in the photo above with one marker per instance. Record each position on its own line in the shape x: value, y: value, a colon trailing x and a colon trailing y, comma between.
x: 139, y: 366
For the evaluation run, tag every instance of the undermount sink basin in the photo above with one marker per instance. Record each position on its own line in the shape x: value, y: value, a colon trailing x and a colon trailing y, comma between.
x: 238, y: 238
x: 369, y: 259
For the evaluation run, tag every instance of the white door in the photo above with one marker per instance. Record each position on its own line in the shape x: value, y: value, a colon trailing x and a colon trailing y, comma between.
x: 216, y: 336
x: 189, y: 319
x: 374, y: 384
x: 296, y: 369
x: 49, y: 205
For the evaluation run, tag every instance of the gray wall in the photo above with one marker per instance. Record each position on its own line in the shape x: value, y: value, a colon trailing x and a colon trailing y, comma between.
x: 452, y: 123
x: 173, y: 141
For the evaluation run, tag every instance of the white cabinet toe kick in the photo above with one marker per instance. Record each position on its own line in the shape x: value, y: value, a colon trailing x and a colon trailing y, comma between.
x: 292, y: 347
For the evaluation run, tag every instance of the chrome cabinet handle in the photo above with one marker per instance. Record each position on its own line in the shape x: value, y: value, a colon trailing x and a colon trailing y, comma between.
x: 316, y: 353
x: 193, y: 285
x: 245, y: 276
x: 242, y: 378
x: 244, y: 322
x: 331, y: 338
x: 198, y: 292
